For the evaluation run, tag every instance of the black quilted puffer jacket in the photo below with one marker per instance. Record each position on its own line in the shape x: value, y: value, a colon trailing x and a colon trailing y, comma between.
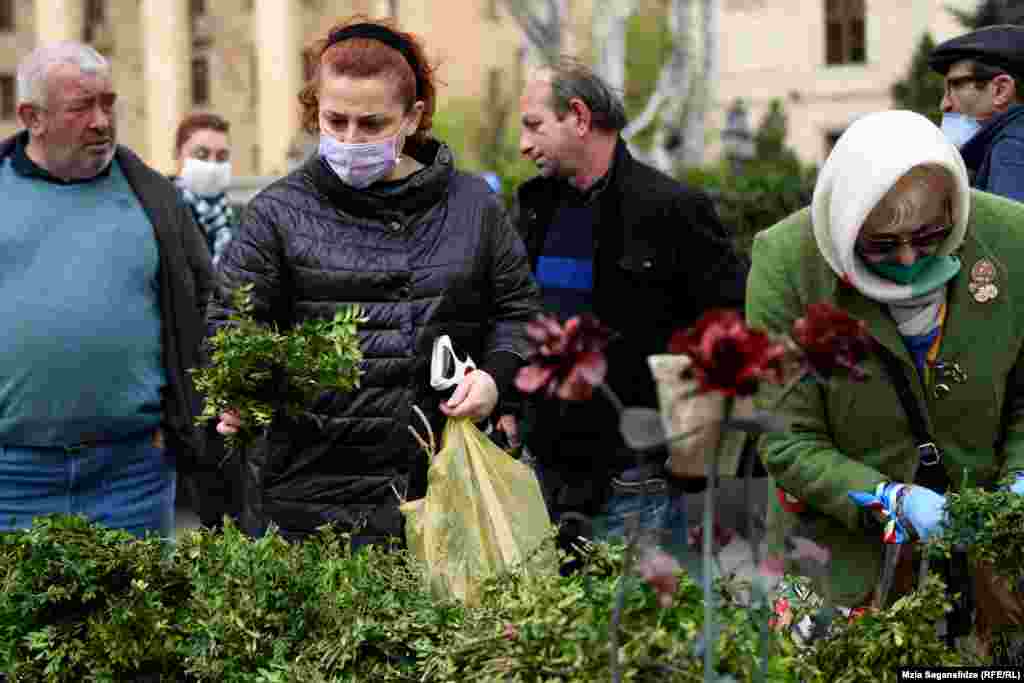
x: 428, y: 255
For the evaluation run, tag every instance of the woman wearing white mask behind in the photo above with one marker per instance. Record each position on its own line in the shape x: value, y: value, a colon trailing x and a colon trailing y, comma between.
x: 203, y: 152
x: 379, y: 218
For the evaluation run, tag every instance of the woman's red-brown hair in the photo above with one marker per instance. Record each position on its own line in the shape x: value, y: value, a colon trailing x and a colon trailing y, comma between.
x: 366, y: 58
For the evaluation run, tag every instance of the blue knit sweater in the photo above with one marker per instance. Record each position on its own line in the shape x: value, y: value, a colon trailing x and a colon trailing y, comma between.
x: 80, y: 349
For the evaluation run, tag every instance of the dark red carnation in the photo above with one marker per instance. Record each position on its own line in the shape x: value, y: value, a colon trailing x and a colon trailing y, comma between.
x: 721, y: 536
x: 729, y: 357
x: 568, y: 360
x: 832, y: 341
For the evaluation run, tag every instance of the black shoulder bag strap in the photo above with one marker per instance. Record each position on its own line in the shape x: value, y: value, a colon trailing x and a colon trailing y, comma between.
x: 929, y: 472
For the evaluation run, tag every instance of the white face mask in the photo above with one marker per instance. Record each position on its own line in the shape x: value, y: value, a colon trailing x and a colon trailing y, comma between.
x: 360, y: 165
x: 206, y: 178
x: 959, y: 128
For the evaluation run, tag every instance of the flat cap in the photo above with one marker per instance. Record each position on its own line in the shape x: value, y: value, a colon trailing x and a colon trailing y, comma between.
x: 999, y: 46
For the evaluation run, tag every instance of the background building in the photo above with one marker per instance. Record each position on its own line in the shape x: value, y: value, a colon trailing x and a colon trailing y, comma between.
x: 829, y: 61
x: 243, y: 60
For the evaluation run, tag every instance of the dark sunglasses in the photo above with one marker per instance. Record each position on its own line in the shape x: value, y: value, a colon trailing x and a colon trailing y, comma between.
x: 922, y: 239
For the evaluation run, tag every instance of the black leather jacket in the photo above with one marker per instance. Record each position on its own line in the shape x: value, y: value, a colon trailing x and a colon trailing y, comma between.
x: 432, y: 254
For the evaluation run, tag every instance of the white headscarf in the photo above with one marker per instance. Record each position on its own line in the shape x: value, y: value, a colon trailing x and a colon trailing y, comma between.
x: 873, y: 153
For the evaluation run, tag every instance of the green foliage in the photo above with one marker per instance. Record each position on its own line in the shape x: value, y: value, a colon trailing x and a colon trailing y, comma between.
x: 922, y: 89
x: 990, y: 13
x: 989, y: 524
x: 755, y: 199
x: 453, y: 124
x: 80, y: 603
x: 649, y: 43
x: 469, y: 130
x: 873, y: 645
x: 772, y: 153
x: 253, y: 603
x: 260, y: 371
x: 512, y: 168
x: 767, y: 189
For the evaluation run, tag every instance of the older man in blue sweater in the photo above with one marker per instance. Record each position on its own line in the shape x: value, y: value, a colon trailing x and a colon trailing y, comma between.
x: 103, y: 282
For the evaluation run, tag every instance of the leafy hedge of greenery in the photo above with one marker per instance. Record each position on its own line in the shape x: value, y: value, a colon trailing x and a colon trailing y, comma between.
x: 990, y: 525
x: 879, y: 643
x: 82, y: 603
x: 756, y: 199
x: 257, y: 370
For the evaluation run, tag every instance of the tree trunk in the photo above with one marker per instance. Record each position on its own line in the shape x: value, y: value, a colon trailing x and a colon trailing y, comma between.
x: 609, y: 27
x: 693, y: 154
x: 543, y: 25
x: 666, y: 105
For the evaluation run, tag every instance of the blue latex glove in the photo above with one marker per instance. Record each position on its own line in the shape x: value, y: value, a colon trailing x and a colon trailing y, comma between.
x: 926, y: 510
x: 1018, y: 486
x: 899, y: 506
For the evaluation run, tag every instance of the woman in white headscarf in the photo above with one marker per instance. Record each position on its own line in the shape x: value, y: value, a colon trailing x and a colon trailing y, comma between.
x: 896, y: 238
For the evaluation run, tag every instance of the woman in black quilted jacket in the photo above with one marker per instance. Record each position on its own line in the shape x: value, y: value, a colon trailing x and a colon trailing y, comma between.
x: 380, y: 218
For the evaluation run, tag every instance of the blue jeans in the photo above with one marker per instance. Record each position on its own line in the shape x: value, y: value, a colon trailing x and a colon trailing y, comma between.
x: 646, y: 493
x: 126, y: 485
x: 652, y: 508
x: 663, y: 511
x: 677, y: 523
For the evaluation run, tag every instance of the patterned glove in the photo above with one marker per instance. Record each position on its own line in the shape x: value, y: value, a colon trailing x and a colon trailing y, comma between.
x: 905, y: 512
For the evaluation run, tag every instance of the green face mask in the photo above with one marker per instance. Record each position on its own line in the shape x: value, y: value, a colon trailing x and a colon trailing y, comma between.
x: 897, y: 272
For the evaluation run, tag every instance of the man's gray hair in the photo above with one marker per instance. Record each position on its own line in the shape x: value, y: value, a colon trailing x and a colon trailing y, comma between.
x: 34, y: 69
x: 572, y: 79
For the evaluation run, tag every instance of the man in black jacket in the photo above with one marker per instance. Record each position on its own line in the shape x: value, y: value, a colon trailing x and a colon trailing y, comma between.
x: 104, y: 279
x: 645, y: 254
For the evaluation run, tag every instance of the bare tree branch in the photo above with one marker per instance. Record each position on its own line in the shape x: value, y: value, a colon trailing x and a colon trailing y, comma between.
x: 651, y: 109
x: 544, y: 34
x: 553, y: 10
x: 673, y: 79
x: 703, y: 98
x: 609, y: 25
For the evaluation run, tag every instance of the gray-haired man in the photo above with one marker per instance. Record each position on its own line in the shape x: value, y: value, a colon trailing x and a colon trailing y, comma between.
x: 103, y: 282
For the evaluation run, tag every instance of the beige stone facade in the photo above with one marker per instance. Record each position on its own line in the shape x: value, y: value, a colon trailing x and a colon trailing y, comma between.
x: 251, y: 53
x: 777, y: 49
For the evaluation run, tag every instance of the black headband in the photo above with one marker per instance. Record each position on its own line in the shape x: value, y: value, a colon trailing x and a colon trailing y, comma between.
x: 384, y: 35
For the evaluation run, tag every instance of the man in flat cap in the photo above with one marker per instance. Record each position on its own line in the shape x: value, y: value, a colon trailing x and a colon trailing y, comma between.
x: 983, y: 106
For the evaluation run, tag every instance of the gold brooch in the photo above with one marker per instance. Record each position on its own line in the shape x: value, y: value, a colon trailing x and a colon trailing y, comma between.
x: 983, y: 281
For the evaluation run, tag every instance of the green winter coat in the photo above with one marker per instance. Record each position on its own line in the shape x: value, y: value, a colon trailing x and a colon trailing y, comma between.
x: 849, y: 436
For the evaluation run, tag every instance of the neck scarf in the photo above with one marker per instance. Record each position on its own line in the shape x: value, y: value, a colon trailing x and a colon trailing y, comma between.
x: 918, y: 313
x: 214, y: 215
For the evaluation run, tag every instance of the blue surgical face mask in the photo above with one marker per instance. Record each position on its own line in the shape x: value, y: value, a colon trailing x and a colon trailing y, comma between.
x: 959, y: 128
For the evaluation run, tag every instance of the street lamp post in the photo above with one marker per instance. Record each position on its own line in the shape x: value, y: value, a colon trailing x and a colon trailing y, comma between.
x: 737, y: 138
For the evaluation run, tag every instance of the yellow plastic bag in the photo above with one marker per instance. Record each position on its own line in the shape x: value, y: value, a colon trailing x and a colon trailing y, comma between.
x: 483, y: 514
